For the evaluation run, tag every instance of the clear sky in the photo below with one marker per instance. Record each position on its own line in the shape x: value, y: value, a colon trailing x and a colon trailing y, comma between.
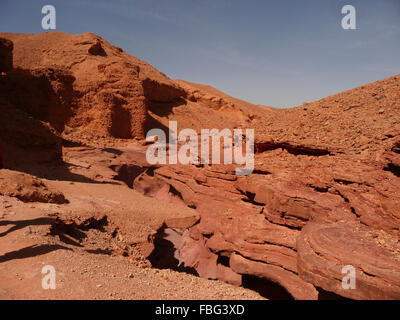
x: 277, y: 53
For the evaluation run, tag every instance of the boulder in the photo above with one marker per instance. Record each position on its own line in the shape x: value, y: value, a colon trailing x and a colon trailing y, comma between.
x: 28, y: 188
x: 328, y: 254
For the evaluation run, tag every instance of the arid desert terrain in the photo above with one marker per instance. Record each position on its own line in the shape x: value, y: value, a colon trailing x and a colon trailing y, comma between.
x: 77, y: 192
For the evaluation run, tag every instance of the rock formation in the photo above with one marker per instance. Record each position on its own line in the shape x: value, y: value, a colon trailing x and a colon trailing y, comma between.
x: 27, y: 188
x: 324, y: 192
x: 335, y: 160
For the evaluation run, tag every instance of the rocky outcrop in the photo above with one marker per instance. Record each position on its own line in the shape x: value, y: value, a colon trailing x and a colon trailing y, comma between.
x: 258, y: 225
x: 230, y: 225
x: 34, y: 106
x: 32, y: 115
x: 109, y: 90
x: 207, y: 107
x: 27, y: 188
x: 91, y: 92
x: 326, y: 251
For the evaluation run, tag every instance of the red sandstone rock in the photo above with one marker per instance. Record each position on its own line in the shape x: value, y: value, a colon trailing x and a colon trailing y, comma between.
x: 298, y: 288
x: 295, y: 183
x: 110, y: 91
x: 324, y: 249
x: 27, y: 188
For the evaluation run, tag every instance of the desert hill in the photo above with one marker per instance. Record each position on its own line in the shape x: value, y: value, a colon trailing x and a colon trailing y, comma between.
x: 361, y: 122
x: 103, y: 92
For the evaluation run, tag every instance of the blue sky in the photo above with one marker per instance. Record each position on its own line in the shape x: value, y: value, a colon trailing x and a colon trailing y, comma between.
x: 276, y: 53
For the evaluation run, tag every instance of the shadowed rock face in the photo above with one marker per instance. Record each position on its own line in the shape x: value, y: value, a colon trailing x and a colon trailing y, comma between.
x: 1, y: 155
x: 27, y: 122
x: 6, y: 47
x: 324, y: 192
x: 31, y: 112
x: 6, y: 57
x: 110, y: 91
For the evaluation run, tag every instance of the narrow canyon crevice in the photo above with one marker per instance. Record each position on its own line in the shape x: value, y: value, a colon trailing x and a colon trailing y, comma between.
x: 165, y: 253
x: 261, y: 147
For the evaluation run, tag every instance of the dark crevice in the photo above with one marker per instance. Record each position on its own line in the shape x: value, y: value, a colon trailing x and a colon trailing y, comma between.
x: 164, y: 254
x: 97, y: 50
x: 393, y: 169
x: 252, y: 202
x: 352, y: 209
x: 127, y: 173
x: 319, y: 189
x: 106, y: 252
x: 150, y: 171
x: 114, y: 233
x: 266, y: 288
x: 113, y: 151
x: 295, y: 150
x: 342, y: 196
x: 70, y: 144
x: 327, y: 295
x: 207, y: 235
x: 250, y: 198
x: 298, y: 228
x: 223, y: 260
x: 163, y: 109
x: 263, y: 172
x: 396, y: 148
x: 354, y: 212
x: 175, y: 192
x: 345, y: 182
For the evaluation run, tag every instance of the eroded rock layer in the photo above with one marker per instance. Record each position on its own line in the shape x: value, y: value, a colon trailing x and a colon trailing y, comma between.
x: 313, y: 170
